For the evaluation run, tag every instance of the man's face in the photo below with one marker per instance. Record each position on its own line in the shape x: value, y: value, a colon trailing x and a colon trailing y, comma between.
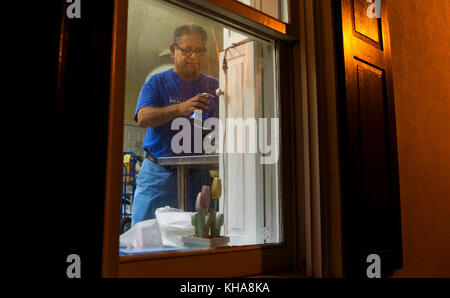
x: 191, y: 63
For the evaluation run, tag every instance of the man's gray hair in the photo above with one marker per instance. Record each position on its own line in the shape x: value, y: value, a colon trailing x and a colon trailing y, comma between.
x: 189, y: 29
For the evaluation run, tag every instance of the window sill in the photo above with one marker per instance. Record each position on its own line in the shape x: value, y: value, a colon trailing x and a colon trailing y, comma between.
x: 223, y: 262
x: 197, y: 252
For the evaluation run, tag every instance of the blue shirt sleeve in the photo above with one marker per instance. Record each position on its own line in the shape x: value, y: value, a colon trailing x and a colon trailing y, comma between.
x: 148, y: 97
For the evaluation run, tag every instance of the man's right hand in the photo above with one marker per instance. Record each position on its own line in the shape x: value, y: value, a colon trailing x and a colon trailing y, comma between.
x: 156, y: 116
x: 198, y: 102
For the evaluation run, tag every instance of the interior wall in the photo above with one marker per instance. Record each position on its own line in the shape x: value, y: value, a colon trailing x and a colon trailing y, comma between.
x: 150, y: 32
x: 420, y: 41
x: 149, y: 35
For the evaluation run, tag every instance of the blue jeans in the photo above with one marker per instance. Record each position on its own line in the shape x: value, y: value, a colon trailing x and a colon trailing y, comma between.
x: 157, y: 187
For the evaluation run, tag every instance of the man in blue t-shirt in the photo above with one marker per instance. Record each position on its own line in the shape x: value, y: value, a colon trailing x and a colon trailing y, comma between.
x: 174, y: 93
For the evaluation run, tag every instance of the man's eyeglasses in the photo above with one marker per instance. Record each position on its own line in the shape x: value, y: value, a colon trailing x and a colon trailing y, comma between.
x: 189, y: 52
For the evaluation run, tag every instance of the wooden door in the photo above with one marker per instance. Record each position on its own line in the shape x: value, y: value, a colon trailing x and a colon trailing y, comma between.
x: 242, y: 198
x: 371, y: 200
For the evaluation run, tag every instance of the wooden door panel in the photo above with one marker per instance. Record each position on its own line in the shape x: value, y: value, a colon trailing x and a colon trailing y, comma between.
x: 368, y: 29
x: 371, y: 197
x: 374, y: 162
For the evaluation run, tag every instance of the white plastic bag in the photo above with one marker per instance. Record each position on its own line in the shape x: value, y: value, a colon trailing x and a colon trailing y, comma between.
x: 174, y: 224
x: 144, y: 234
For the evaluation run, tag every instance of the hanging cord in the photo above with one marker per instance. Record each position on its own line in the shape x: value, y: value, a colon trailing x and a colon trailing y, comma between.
x: 233, y: 45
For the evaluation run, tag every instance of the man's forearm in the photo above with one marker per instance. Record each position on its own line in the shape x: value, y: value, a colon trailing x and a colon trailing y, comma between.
x: 156, y: 116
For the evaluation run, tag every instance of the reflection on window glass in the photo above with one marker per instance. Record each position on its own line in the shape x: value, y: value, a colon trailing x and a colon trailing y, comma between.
x: 274, y: 8
x: 201, y: 134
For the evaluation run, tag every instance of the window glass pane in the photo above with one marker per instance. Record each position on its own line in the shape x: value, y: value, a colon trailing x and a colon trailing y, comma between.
x: 274, y: 8
x: 201, y: 134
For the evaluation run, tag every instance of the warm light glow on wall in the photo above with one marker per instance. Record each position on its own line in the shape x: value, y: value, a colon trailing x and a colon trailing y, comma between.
x: 251, y: 14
